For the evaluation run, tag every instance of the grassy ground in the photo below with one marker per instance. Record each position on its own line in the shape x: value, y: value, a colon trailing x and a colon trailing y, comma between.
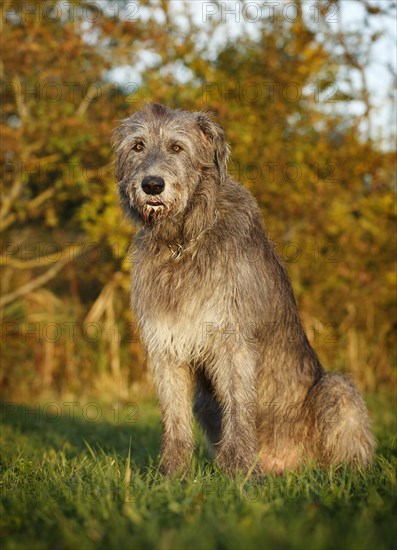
x: 77, y: 476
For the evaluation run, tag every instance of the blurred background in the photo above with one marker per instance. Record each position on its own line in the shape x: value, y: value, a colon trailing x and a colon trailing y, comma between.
x: 306, y: 93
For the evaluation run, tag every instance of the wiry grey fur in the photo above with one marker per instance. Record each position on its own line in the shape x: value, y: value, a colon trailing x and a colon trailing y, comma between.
x: 217, y: 313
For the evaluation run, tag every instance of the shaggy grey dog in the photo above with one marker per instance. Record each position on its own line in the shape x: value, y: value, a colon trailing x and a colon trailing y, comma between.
x: 217, y: 313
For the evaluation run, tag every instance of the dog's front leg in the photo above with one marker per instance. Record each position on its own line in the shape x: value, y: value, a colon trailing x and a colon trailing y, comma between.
x: 235, y: 384
x: 174, y: 388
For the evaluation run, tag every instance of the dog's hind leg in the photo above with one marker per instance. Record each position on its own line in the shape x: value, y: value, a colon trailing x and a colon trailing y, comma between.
x: 340, y: 422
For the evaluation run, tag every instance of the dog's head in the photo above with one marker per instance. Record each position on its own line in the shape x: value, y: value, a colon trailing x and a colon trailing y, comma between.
x: 162, y: 155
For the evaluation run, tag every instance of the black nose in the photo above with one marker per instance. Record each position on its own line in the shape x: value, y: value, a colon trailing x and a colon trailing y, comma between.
x: 153, y: 185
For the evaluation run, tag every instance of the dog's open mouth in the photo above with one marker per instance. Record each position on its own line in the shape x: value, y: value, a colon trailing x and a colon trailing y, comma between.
x: 155, y: 204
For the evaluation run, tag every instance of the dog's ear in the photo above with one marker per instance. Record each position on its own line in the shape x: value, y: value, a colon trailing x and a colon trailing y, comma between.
x: 216, y: 136
x: 121, y: 144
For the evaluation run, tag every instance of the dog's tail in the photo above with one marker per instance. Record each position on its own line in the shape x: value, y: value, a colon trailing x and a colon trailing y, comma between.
x: 341, y: 422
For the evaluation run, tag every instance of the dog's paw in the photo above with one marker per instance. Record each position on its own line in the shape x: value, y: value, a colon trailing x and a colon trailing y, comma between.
x: 234, y: 463
x: 172, y: 468
x: 175, y: 459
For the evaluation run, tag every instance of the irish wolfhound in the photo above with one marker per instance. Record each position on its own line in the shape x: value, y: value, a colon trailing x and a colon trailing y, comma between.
x: 217, y: 313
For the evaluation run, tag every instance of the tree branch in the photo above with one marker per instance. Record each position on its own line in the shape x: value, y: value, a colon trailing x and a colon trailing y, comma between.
x: 38, y: 281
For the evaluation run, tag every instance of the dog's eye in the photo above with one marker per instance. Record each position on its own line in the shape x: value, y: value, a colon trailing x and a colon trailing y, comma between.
x: 138, y: 147
x: 176, y: 148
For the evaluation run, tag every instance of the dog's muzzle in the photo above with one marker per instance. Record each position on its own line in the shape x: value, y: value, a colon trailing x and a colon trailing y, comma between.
x: 153, y: 209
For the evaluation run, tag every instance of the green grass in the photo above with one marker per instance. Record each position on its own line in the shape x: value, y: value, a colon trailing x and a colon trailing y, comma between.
x: 71, y: 482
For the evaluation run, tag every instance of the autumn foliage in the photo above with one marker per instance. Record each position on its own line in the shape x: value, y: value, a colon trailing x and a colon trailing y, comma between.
x: 282, y: 87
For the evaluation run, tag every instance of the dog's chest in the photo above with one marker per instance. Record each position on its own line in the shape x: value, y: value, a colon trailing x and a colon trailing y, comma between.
x: 176, y: 309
